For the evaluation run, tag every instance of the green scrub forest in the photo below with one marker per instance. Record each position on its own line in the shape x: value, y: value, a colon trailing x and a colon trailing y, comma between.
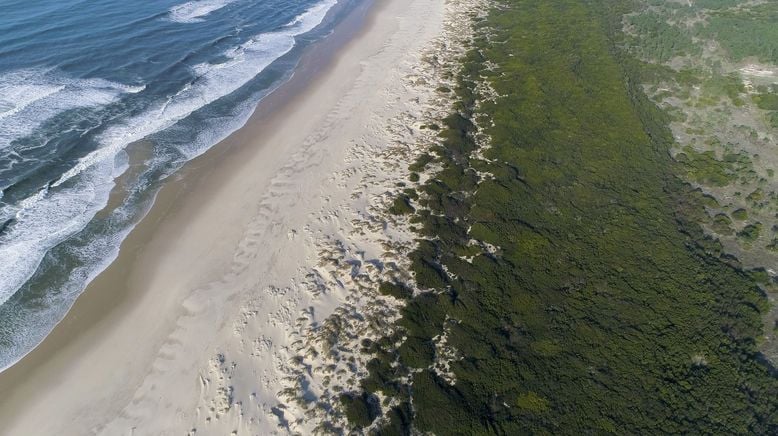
x: 565, y: 263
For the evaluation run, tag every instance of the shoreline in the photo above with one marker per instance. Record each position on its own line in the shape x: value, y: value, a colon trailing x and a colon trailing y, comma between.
x: 85, y: 316
x: 285, y: 95
x: 107, y: 320
x: 277, y: 96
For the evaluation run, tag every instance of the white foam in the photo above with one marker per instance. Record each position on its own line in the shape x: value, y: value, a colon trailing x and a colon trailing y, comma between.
x: 96, y: 256
x: 213, y: 82
x: 46, y: 219
x: 17, y: 98
x: 194, y: 11
x: 28, y: 98
x: 312, y: 17
x: 52, y: 215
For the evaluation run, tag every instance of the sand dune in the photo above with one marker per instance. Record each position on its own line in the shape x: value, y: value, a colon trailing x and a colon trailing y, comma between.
x: 211, y: 318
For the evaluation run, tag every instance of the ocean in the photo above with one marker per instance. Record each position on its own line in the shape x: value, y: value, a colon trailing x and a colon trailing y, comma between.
x: 100, y: 102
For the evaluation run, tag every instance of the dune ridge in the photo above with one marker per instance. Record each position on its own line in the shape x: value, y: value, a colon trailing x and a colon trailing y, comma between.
x: 257, y: 277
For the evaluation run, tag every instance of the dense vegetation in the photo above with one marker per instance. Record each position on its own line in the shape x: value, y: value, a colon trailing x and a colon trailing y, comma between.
x: 747, y: 32
x: 669, y: 28
x: 574, y: 282
x: 708, y: 64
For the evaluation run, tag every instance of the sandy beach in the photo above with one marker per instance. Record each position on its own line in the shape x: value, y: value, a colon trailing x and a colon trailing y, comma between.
x: 195, y: 326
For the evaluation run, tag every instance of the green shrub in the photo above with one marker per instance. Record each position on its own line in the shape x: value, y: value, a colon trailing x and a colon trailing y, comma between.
x: 740, y: 214
x: 750, y: 233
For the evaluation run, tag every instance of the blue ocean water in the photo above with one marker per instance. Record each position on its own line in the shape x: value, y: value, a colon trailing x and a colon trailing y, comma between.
x: 100, y: 101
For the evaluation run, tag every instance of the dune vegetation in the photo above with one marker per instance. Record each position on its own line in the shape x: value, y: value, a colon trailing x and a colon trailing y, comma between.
x: 563, y: 281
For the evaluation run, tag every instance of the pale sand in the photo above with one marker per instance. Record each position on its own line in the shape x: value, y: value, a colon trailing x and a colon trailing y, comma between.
x: 195, y: 324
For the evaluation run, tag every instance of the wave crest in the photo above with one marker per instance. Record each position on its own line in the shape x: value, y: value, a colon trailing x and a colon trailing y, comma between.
x: 194, y: 11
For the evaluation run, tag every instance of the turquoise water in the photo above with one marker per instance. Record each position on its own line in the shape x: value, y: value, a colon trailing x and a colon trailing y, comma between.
x: 105, y: 98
